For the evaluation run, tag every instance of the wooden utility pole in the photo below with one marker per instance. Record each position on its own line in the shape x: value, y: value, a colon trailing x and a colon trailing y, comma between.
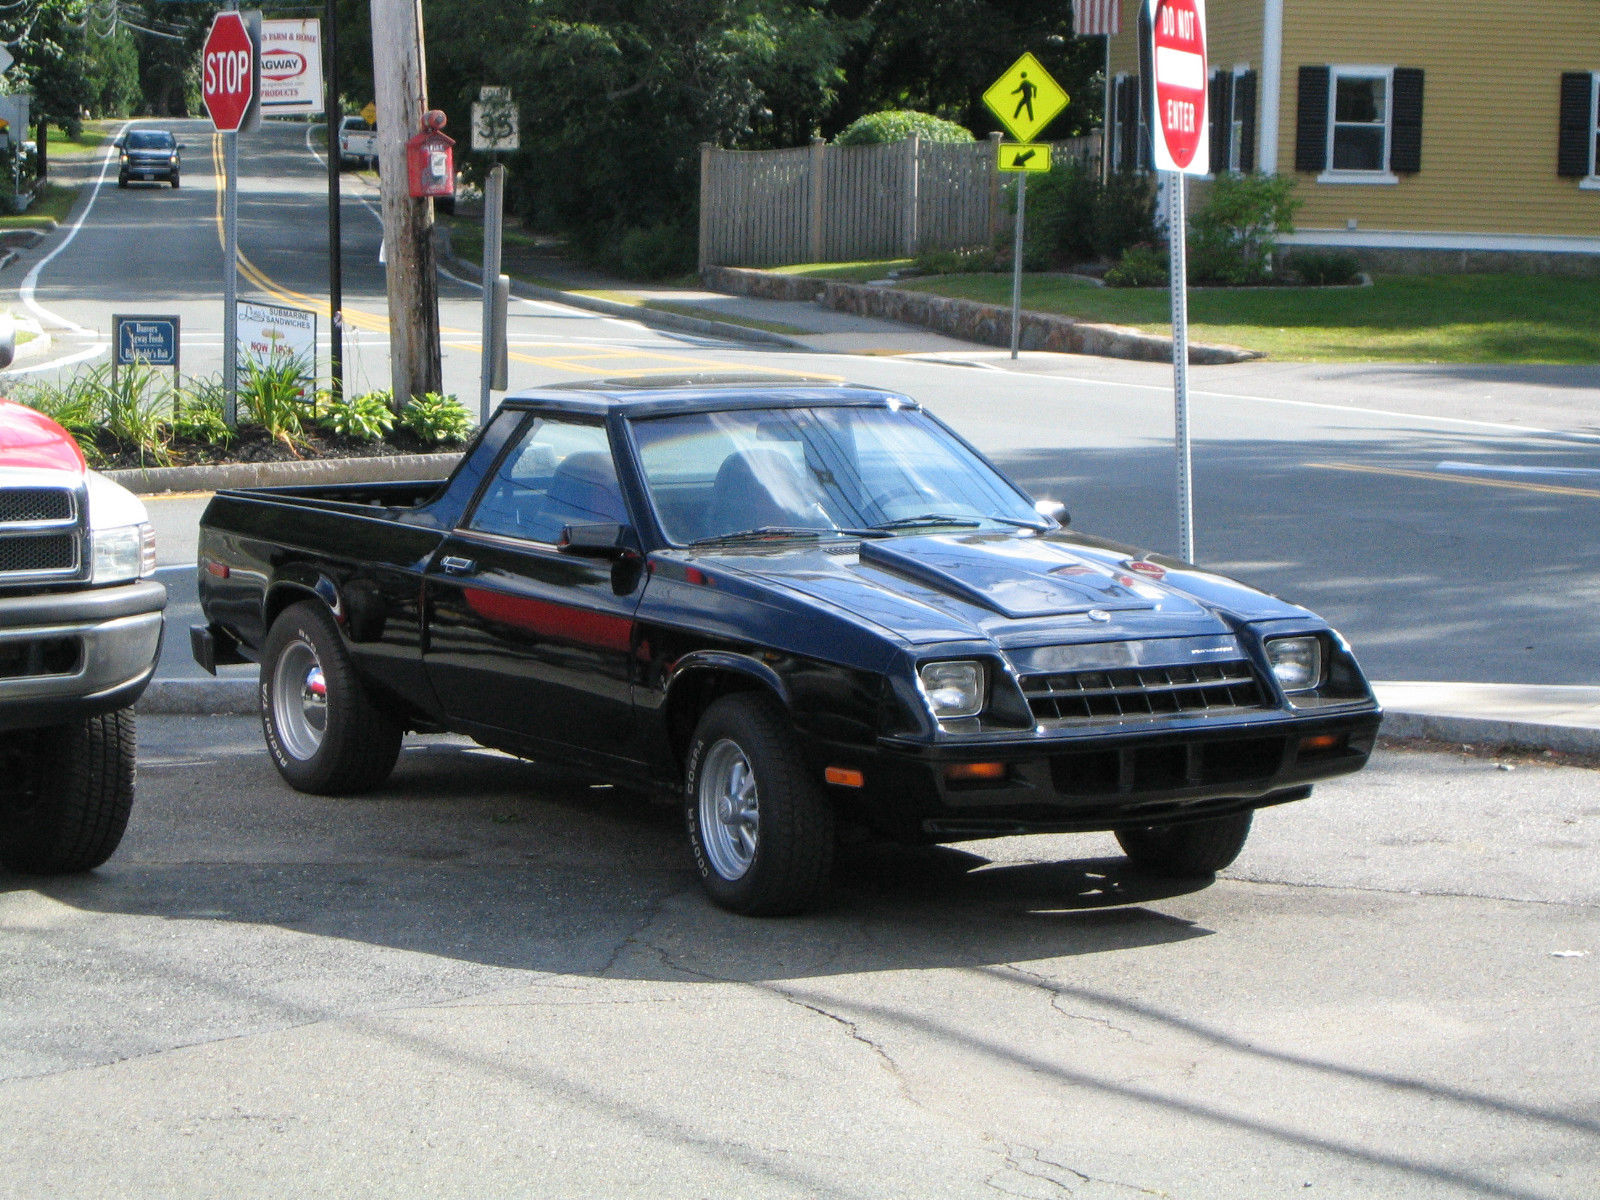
x: 401, y: 84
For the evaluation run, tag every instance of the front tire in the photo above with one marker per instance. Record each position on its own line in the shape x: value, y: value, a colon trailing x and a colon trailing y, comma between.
x: 325, y: 732
x: 1187, y: 850
x: 122, y: 181
x: 760, y: 831
x: 174, y: 179
x: 68, y: 794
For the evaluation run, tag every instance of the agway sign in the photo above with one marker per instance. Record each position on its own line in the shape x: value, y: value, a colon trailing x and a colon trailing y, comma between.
x: 228, y: 71
x: 1178, y: 55
x: 291, y: 66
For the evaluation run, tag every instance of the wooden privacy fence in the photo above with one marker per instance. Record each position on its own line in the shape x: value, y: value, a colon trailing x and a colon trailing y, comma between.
x: 826, y: 203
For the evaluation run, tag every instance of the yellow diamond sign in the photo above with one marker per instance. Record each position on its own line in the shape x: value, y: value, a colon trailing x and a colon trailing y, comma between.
x: 1025, y: 98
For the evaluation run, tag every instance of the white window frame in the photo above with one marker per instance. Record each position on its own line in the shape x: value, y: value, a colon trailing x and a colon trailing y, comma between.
x: 1591, y: 182
x: 1381, y: 175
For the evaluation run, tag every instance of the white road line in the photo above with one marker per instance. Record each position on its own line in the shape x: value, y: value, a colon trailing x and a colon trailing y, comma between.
x: 1466, y: 468
x: 31, y: 281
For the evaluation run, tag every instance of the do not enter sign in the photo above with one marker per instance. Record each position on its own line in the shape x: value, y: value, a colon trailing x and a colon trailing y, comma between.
x: 228, y: 72
x: 1178, y: 56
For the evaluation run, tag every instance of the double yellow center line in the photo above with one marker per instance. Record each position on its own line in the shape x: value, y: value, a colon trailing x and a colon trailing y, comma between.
x: 1549, y: 489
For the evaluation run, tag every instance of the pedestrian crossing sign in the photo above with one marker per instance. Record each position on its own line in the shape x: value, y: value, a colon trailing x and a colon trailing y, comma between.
x: 1021, y: 156
x: 1025, y: 98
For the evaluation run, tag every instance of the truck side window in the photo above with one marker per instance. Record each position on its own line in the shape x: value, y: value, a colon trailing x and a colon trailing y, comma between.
x: 560, y: 474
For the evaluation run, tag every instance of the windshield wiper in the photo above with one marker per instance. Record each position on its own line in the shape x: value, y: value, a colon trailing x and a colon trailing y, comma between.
x: 776, y: 531
x: 955, y: 522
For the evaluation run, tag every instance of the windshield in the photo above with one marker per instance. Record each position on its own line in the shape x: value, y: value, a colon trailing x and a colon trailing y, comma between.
x: 824, y: 469
x: 149, y: 140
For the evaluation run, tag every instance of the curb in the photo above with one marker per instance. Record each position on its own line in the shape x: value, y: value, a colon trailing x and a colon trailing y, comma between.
x: 638, y: 313
x: 237, y: 697
x: 146, y: 481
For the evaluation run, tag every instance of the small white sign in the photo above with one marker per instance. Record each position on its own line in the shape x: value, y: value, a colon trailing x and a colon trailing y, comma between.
x: 291, y: 66
x: 271, y: 336
x: 6, y: 60
x: 495, y: 120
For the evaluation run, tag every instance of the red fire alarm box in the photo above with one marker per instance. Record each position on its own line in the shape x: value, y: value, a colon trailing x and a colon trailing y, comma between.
x: 430, y: 159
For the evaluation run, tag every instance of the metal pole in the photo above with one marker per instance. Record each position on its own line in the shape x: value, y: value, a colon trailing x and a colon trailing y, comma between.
x: 1176, y: 183
x: 334, y: 112
x: 230, y: 276
x: 494, y: 193
x: 1016, y: 262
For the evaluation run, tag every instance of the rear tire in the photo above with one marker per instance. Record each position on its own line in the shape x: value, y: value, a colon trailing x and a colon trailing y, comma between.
x: 760, y: 830
x: 70, y: 790
x: 1193, y: 848
x: 325, y: 733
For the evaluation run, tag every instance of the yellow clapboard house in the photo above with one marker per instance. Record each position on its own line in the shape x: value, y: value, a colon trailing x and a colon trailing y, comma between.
x: 1432, y: 133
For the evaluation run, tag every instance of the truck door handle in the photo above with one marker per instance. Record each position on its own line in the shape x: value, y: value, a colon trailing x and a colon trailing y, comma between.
x: 457, y: 566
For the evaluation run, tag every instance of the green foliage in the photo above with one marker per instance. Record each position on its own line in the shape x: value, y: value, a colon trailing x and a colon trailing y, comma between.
x: 201, y: 405
x: 1073, y: 218
x: 436, y: 418
x: 367, y: 416
x: 876, y: 129
x: 1141, y: 266
x: 658, y: 252
x: 135, y: 408
x: 1231, y: 239
x: 272, y: 394
x: 1325, y: 268
x: 964, y: 261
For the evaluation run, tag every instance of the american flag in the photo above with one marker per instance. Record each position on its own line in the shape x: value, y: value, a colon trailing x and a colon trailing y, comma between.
x: 1090, y: 17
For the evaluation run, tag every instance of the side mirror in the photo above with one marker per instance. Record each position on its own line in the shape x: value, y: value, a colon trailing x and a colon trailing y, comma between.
x: 119, y: 143
x: 599, y: 540
x: 1055, y: 510
x: 8, y: 340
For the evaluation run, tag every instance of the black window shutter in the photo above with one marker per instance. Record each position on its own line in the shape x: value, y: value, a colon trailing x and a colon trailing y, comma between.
x: 1127, y: 124
x: 1221, y: 103
x: 1577, y: 124
x: 1144, y: 90
x: 1245, y: 101
x: 1405, y: 135
x: 1311, y: 121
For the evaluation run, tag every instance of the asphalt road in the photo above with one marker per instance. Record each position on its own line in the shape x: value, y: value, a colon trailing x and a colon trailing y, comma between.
x: 487, y: 980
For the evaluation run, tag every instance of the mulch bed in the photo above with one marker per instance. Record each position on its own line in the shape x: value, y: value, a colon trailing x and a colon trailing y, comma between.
x: 252, y: 444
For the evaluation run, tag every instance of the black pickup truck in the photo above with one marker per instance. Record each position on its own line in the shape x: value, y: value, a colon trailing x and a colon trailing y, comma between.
x: 790, y: 605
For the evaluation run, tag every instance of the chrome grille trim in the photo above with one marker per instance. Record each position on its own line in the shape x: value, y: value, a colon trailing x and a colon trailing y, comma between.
x: 41, y: 534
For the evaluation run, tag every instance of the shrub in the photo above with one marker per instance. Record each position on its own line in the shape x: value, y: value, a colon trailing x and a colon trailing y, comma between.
x: 1231, y: 239
x: 895, y: 125
x: 968, y: 260
x: 1325, y: 268
x: 366, y: 417
x: 135, y: 407
x: 1143, y: 265
x: 1124, y: 214
x: 436, y: 418
x: 659, y: 252
x: 1060, y: 218
x: 199, y: 415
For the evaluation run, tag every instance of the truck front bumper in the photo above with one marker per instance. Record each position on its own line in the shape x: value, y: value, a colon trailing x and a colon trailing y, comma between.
x: 65, y: 655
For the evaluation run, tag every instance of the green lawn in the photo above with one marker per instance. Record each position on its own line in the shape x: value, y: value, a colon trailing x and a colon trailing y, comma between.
x: 93, y: 136
x: 49, y: 209
x: 1424, y: 318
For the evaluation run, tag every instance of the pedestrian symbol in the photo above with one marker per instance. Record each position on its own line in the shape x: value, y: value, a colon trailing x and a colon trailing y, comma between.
x: 1025, y: 98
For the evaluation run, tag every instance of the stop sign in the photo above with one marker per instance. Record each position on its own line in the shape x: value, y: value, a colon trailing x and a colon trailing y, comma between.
x: 228, y: 71
x: 1178, y: 32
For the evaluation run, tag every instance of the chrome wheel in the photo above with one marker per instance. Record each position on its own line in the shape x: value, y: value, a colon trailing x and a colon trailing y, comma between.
x: 300, y: 699
x: 730, y: 818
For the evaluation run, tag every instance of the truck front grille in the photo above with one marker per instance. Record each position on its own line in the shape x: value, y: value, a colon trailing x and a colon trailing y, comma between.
x: 41, y: 534
x: 1139, y: 693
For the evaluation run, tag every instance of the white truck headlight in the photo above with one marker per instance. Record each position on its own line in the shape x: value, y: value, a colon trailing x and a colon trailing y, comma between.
x: 953, y: 689
x: 124, y: 553
x: 1296, y: 662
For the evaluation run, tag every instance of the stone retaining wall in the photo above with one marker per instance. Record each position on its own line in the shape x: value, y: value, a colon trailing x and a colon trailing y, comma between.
x: 988, y: 324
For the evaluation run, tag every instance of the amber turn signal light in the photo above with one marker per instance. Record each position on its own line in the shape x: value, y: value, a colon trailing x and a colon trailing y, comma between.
x: 1322, y: 741
x: 974, y: 772
x: 845, y: 776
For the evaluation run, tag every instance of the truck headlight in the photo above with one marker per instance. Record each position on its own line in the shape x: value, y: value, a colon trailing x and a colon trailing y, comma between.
x: 952, y: 689
x: 1296, y: 662
x: 125, y: 553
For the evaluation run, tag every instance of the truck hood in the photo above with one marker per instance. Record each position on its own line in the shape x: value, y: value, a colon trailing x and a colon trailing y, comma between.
x: 1011, y: 588
x: 29, y: 439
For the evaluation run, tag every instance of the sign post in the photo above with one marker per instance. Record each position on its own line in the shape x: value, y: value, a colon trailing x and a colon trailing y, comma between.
x: 1026, y: 99
x: 1178, y: 55
x: 228, y: 87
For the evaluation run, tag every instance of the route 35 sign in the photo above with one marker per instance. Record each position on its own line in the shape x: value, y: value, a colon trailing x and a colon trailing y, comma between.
x: 1178, y: 58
